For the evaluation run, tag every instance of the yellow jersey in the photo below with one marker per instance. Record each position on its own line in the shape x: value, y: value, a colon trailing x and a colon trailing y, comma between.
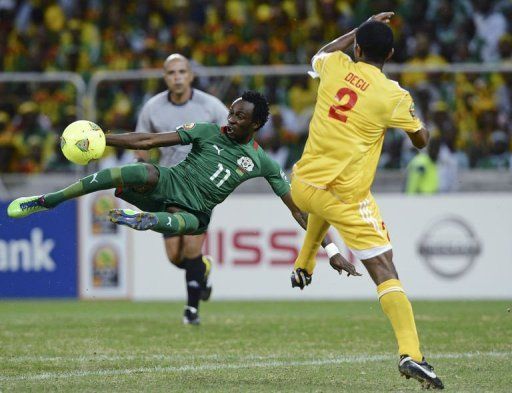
x: 355, y: 105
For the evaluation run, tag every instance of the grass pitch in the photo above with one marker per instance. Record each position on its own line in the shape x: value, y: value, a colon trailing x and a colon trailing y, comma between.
x: 246, y: 347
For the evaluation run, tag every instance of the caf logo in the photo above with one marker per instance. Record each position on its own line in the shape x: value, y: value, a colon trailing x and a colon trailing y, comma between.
x: 101, y: 205
x: 105, y: 267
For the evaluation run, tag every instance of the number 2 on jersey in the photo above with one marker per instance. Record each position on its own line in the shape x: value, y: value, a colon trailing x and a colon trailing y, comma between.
x: 334, y: 110
x: 218, y: 172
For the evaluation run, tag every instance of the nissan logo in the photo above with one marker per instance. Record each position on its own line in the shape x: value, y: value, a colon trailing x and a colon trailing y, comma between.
x: 449, y: 247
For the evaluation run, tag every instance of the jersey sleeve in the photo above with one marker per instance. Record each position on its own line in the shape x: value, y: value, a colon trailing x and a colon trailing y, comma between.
x: 144, y: 121
x: 275, y: 177
x: 323, y: 61
x: 404, y: 116
x: 193, y: 132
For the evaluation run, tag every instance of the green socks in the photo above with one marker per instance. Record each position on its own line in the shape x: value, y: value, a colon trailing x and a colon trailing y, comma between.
x: 179, y: 223
x: 134, y: 174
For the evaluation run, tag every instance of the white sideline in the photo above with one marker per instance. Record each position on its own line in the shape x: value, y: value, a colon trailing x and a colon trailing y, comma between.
x: 227, y: 366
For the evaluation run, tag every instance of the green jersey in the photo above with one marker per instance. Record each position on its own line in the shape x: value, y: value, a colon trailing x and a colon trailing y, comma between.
x: 217, y: 164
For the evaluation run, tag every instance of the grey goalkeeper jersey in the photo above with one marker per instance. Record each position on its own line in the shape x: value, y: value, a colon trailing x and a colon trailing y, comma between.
x: 159, y: 114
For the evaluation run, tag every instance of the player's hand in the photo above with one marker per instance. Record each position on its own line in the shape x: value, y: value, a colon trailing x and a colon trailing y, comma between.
x: 382, y: 17
x: 340, y: 264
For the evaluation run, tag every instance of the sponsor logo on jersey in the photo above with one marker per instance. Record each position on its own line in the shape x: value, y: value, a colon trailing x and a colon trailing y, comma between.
x: 218, y: 149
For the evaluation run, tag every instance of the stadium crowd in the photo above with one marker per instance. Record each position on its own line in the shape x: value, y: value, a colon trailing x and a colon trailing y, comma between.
x: 470, y: 113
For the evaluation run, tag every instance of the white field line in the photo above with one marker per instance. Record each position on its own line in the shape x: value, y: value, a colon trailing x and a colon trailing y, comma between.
x: 234, y: 366
x: 115, y: 358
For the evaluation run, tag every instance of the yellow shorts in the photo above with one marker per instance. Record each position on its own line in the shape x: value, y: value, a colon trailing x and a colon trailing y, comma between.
x: 359, y: 224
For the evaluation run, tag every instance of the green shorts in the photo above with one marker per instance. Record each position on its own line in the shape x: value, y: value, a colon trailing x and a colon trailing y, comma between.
x: 172, y: 189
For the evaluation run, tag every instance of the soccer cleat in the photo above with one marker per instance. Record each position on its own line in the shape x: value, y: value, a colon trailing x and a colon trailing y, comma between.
x: 140, y: 221
x: 421, y: 371
x: 191, y: 316
x: 206, y: 290
x: 24, y: 206
x: 300, y: 278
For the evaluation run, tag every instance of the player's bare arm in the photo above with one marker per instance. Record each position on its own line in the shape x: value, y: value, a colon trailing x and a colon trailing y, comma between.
x: 419, y: 138
x: 143, y: 140
x: 345, y: 41
x: 337, y: 261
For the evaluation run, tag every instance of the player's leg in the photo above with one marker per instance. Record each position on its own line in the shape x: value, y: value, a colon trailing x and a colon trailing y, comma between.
x: 185, y: 252
x: 315, y: 233
x: 193, y: 252
x: 306, y: 260
x: 398, y: 309
x: 394, y: 303
x: 134, y: 175
x: 304, y: 197
x: 197, y: 267
x: 363, y: 231
x: 173, y: 224
x: 174, y: 249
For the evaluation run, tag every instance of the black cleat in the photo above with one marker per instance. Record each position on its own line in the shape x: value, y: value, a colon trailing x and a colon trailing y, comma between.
x: 421, y: 371
x: 206, y: 290
x: 300, y: 278
x: 191, y: 316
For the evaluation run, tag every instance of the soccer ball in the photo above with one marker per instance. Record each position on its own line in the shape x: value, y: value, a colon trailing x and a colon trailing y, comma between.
x: 82, y: 141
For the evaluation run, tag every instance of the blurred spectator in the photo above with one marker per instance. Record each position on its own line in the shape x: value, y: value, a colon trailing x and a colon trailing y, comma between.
x: 279, y: 136
x: 504, y: 103
x: 32, y: 139
x: 499, y: 154
x: 86, y: 36
x: 423, y: 55
x: 480, y: 146
x: 7, y: 147
x: 422, y: 171
x: 117, y: 122
x: 57, y: 162
x: 443, y: 127
x: 490, y: 26
x: 302, y: 99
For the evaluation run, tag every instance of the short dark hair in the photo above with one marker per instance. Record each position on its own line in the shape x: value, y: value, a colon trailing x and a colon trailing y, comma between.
x: 261, y: 110
x: 375, y: 40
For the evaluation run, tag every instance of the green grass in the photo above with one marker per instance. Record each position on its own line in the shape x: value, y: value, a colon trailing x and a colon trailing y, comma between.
x: 246, y: 347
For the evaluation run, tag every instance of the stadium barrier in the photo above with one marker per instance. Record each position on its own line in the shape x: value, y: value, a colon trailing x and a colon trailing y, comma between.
x: 51, y: 77
x: 229, y: 73
x: 446, y: 247
x: 86, y: 100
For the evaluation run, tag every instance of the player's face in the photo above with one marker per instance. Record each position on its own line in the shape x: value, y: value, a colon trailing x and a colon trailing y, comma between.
x: 178, y: 76
x: 240, y: 124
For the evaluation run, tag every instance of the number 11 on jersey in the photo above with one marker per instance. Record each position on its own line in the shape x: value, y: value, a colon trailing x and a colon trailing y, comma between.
x: 218, y: 172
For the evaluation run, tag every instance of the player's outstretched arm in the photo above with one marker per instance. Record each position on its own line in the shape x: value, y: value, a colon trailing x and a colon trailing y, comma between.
x: 336, y: 260
x: 345, y: 41
x: 143, y: 140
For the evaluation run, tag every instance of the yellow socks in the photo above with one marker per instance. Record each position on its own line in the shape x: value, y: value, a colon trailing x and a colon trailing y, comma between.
x: 398, y: 309
x: 317, y: 228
